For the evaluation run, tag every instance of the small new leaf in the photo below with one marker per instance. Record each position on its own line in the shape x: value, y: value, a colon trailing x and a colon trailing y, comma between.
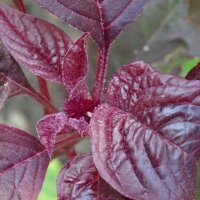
x: 75, y: 65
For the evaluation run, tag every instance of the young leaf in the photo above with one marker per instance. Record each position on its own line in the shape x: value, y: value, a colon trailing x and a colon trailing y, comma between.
x: 75, y: 65
x: 23, y: 164
x: 104, y: 19
x: 146, y: 142
x: 49, y: 127
x: 79, y: 102
x: 35, y: 43
x: 79, y: 180
x: 194, y: 74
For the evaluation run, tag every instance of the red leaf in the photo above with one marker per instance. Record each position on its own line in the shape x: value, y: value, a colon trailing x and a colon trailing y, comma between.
x: 23, y: 164
x: 146, y: 142
x: 12, y: 79
x: 48, y: 128
x: 96, y: 17
x: 79, y: 180
x: 11, y: 72
x: 79, y: 103
x: 194, y: 74
x: 75, y: 66
x: 35, y: 43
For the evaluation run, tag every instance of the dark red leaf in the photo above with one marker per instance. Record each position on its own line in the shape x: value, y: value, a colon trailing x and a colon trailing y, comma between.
x: 50, y: 126
x: 122, y: 90
x: 79, y: 102
x: 194, y: 74
x: 80, y: 180
x: 104, y: 19
x: 23, y: 164
x: 12, y: 79
x: 11, y: 72
x: 75, y: 65
x: 35, y: 43
x: 146, y: 143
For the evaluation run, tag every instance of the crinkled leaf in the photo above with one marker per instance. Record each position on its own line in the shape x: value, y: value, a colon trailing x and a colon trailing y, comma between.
x: 146, y: 142
x: 75, y: 65
x: 51, y: 126
x: 23, y: 164
x: 194, y: 74
x: 104, y: 19
x: 35, y: 43
x: 80, y: 180
x: 79, y: 102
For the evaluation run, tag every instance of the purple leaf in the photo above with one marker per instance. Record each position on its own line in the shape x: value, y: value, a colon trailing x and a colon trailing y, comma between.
x: 11, y: 72
x: 53, y: 125
x: 104, y: 19
x: 23, y: 164
x: 75, y: 65
x: 35, y: 43
x: 122, y: 90
x: 79, y: 180
x: 49, y: 127
x: 79, y: 102
x: 194, y: 74
x: 12, y: 79
x: 146, y: 142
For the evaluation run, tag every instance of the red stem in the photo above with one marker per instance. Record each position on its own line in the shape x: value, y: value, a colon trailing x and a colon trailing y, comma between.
x: 100, y: 76
x: 48, y: 107
x: 42, y: 83
x: 44, y: 90
x: 20, y: 5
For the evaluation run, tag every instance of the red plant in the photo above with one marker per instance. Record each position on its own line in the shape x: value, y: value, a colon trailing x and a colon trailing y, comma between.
x: 145, y: 136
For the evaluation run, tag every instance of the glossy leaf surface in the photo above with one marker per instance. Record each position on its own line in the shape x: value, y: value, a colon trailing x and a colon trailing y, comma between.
x: 95, y: 16
x: 23, y: 164
x: 79, y: 180
x: 145, y: 142
x: 35, y: 43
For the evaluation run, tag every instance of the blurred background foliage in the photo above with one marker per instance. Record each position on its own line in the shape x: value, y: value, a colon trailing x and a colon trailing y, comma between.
x: 166, y: 35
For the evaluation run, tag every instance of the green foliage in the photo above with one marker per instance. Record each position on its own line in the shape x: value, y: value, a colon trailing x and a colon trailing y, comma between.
x: 48, y: 191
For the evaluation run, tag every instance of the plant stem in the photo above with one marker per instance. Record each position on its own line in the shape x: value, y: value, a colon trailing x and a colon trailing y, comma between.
x: 20, y: 5
x: 65, y: 144
x: 100, y: 76
x: 44, y: 90
x: 43, y: 101
x: 41, y: 82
